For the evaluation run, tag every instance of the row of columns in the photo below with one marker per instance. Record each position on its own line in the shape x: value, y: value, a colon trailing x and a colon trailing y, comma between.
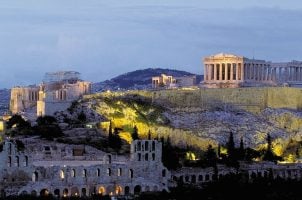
x: 288, y: 73
x: 259, y: 72
x: 252, y: 72
x: 223, y: 72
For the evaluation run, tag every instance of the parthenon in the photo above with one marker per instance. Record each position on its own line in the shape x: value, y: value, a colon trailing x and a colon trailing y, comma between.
x: 228, y: 70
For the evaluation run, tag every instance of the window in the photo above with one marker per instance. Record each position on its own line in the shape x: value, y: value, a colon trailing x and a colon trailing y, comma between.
x: 139, y: 157
x: 164, y: 173
x: 138, y: 146
x: 62, y: 175
x: 98, y: 172
x: 9, y: 161
x: 119, y: 172
x: 153, y: 146
x: 146, y: 146
x: 153, y: 156
x: 17, y: 161
x: 25, y: 164
x: 130, y: 173
x: 146, y: 157
x: 73, y: 173
x: 84, y: 173
x: 108, y: 172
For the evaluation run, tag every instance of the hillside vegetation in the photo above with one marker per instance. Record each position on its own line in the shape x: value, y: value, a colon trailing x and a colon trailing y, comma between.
x: 199, y: 128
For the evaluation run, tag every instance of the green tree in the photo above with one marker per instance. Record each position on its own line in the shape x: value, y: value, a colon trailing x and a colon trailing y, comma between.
x: 48, y: 128
x: 134, y: 134
x: 18, y: 122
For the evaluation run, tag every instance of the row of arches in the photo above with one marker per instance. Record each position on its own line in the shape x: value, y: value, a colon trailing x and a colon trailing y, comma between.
x: 112, y: 190
x: 73, y: 173
x: 17, y: 160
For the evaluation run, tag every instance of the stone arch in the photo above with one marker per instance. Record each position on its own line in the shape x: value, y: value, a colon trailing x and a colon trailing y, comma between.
x: 187, y: 178
x: 44, y: 192
x: 102, y: 190
x: 57, y: 192
x: 147, y: 189
x: 118, y: 190
x: 35, y: 177
x: 127, y: 190
x: 155, y: 188
x: 207, y: 177
x: 137, y: 189
x: 74, y: 192
x: 65, y: 192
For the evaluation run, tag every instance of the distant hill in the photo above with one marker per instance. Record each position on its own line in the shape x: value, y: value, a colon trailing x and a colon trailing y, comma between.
x: 139, y: 79
x: 4, y: 100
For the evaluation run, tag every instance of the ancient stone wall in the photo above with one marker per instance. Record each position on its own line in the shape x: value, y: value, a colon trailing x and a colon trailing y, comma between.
x: 250, y: 99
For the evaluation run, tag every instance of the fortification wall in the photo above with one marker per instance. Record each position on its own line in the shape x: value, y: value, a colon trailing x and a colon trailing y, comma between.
x: 250, y: 99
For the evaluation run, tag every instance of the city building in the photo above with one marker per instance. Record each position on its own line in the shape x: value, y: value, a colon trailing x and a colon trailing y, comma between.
x: 79, y: 170
x: 231, y: 71
x: 164, y: 81
x: 56, y: 93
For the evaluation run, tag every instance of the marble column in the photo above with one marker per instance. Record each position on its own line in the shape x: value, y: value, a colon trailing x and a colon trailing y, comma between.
x: 220, y: 71
x: 215, y: 72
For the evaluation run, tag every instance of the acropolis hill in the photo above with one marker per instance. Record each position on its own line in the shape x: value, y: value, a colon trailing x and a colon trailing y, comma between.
x: 201, y: 116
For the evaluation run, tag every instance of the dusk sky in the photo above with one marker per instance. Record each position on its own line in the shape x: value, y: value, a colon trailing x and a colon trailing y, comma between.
x: 102, y: 39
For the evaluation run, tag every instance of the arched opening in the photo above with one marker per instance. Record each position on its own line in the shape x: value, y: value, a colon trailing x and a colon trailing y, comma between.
x: 25, y: 164
x: 207, y: 177
x: 108, y: 172
x: 187, y: 178
x: 110, y: 190
x: 102, y: 191
x: 193, y: 179
x: 200, y: 178
x: 138, y: 146
x: 163, y: 173
x: 146, y: 157
x: 56, y: 193
x: 84, y: 173
x: 127, y: 190
x: 84, y: 192
x: 119, y: 172
x: 155, y: 188
x: 98, y: 172
x: 109, y: 159
x: 73, y: 173
x: 35, y: 177
x: 146, y: 146
x: 74, y: 192
x: 137, y: 189
x: 44, y: 192
x: 153, y: 146
x: 24, y: 193
x: 130, y: 173
x: 147, y: 189
x: 62, y: 175
x: 65, y: 192
x: 17, y: 161
x: 118, y: 190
